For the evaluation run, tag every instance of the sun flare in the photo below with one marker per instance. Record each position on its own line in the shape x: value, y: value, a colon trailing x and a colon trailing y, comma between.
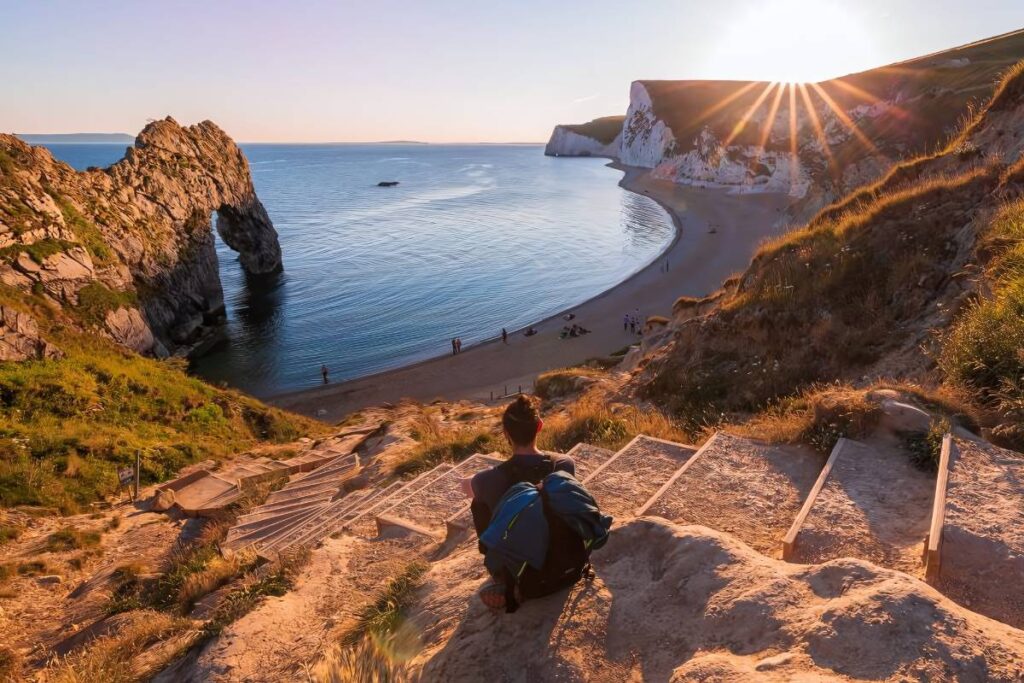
x: 795, y: 41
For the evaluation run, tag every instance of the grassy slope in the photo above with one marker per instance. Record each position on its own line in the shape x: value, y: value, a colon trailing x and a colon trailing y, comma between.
x: 865, y: 280
x: 604, y: 129
x: 67, y: 425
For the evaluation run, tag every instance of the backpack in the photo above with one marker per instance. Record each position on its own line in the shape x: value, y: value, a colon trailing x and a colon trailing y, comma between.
x: 539, y: 538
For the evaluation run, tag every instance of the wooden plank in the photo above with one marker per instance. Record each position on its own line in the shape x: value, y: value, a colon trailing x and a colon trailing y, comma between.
x: 386, y: 521
x: 933, y: 544
x: 789, y: 540
x: 642, y: 510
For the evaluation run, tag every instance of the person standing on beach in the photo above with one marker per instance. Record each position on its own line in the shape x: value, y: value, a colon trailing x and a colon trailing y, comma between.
x: 324, y: 371
x: 625, y: 323
x: 504, y: 336
x: 455, y: 346
x: 458, y: 345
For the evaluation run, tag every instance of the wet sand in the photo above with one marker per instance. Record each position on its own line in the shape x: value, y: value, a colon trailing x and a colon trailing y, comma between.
x: 716, y: 236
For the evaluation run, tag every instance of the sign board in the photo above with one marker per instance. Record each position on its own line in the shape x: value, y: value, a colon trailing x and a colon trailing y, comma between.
x: 126, y: 475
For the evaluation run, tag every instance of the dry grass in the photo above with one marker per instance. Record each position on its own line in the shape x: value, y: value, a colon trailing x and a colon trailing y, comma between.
x: 565, y: 382
x: 375, y: 649
x: 817, y: 417
x: 446, y: 443
x: 70, y: 538
x: 592, y: 420
x: 109, y: 659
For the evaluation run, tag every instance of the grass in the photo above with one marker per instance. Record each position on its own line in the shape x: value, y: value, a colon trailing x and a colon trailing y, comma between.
x: 565, y: 382
x: 10, y: 664
x: 386, y: 612
x: 604, y: 129
x: 594, y: 421
x: 925, y: 448
x: 70, y: 538
x: 67, y: 425
x: 275, y: 581
x: 376, y: 647
x: 9, y: 532
x: 981, y: 353
x: 817, y: 417
x: 96, y: 300
x: 38, y: 251
x: 439, y: 443
x: 109, y: 659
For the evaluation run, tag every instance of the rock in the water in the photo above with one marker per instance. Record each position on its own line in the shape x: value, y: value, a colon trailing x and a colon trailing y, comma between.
x: 138, y: 234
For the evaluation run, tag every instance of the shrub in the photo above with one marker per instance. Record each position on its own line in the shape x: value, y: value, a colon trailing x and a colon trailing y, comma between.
x: 8, y: 533
x: 564, y: 382
x: 925, y: 448
x: 982, y: 351
x: 70, y: 538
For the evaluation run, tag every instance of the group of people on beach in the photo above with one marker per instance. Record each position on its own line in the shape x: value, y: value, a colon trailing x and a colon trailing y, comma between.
x: 632, y: 323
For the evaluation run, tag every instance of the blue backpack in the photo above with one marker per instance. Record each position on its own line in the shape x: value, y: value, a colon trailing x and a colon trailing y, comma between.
x: 540, y: 538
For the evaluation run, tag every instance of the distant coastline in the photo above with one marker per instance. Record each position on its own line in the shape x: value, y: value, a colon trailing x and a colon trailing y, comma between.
x: 76, y: 138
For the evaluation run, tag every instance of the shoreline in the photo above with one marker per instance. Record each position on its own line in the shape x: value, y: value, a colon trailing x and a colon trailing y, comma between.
x: 697, y: 266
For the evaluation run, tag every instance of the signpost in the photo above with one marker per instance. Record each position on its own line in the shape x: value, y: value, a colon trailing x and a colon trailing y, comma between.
x: 125, y: 476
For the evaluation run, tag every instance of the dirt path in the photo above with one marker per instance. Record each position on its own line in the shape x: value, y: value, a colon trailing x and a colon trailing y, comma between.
x: 875, y: 505
x: 691, y: 604
x: 982, y: 563
x: 626, y: 482
x: 743, y: 487
x: 699, y: 261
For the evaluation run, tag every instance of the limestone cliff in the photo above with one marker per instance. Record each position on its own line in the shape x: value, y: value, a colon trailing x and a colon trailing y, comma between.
x: 816, y: 142
x: 128, y: 250
x: 598, y: 138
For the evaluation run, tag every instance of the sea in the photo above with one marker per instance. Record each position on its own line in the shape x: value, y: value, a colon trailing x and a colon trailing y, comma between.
x: 474, y: 238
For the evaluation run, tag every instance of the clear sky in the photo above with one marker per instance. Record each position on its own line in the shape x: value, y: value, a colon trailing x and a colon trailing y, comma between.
x: 432, y: 70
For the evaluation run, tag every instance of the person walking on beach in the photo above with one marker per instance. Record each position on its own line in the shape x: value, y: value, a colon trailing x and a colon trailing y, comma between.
x: 324, y: 371
x: 458, y: 345
x: 625, y: 323
x: 504, y: 336
x: 455, y: 346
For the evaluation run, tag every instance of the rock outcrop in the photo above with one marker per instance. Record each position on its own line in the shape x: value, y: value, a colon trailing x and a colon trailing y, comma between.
x: 20, y: 339
x: 597, y: 138
x: 129, y: 249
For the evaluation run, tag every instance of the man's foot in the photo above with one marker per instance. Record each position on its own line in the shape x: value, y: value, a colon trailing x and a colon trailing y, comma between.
x: 493, y: 595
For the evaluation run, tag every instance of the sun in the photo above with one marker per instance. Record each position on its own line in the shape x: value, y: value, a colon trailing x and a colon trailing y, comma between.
x: 794, y: 41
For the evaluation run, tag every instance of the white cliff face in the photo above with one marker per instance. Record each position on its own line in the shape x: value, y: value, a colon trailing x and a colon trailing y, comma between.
x: 568, y: 143
x: 646, y: 140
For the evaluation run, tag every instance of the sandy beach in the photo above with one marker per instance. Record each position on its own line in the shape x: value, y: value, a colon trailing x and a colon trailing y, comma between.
x: 716, y: 235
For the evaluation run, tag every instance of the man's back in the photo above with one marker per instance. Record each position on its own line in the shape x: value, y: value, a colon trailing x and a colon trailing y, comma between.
x: 490, y: 485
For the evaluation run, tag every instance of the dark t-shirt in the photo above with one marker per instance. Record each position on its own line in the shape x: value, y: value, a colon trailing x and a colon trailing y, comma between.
x: 490, y: 485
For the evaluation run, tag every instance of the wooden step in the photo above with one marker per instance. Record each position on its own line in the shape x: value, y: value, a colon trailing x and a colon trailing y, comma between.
x: 870, y: 502
x: 634, y: 473
x: 363, y: 523
x: 588, y: 458
x: 741, y: 486
x: 431, y: 505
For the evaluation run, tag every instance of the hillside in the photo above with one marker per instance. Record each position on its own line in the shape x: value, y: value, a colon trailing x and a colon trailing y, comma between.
x: 814, y: 141
x: 917, y: 276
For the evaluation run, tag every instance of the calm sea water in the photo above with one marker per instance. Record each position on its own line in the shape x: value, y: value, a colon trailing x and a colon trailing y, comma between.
x: 475, y: 238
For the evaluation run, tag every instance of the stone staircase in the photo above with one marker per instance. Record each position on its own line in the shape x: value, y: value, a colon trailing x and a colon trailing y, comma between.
x: 740, y: 486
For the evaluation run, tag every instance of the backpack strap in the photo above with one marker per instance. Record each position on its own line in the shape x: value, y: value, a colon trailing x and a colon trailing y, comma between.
x: 516, y: 473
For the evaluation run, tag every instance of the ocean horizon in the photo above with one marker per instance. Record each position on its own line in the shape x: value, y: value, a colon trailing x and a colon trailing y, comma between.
x: 475, y: 238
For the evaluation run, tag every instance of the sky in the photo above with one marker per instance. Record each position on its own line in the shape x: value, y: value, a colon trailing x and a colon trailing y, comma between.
x: 431, y: 70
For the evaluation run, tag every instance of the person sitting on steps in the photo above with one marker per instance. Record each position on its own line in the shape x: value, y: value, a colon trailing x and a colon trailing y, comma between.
x: 521, y: 424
